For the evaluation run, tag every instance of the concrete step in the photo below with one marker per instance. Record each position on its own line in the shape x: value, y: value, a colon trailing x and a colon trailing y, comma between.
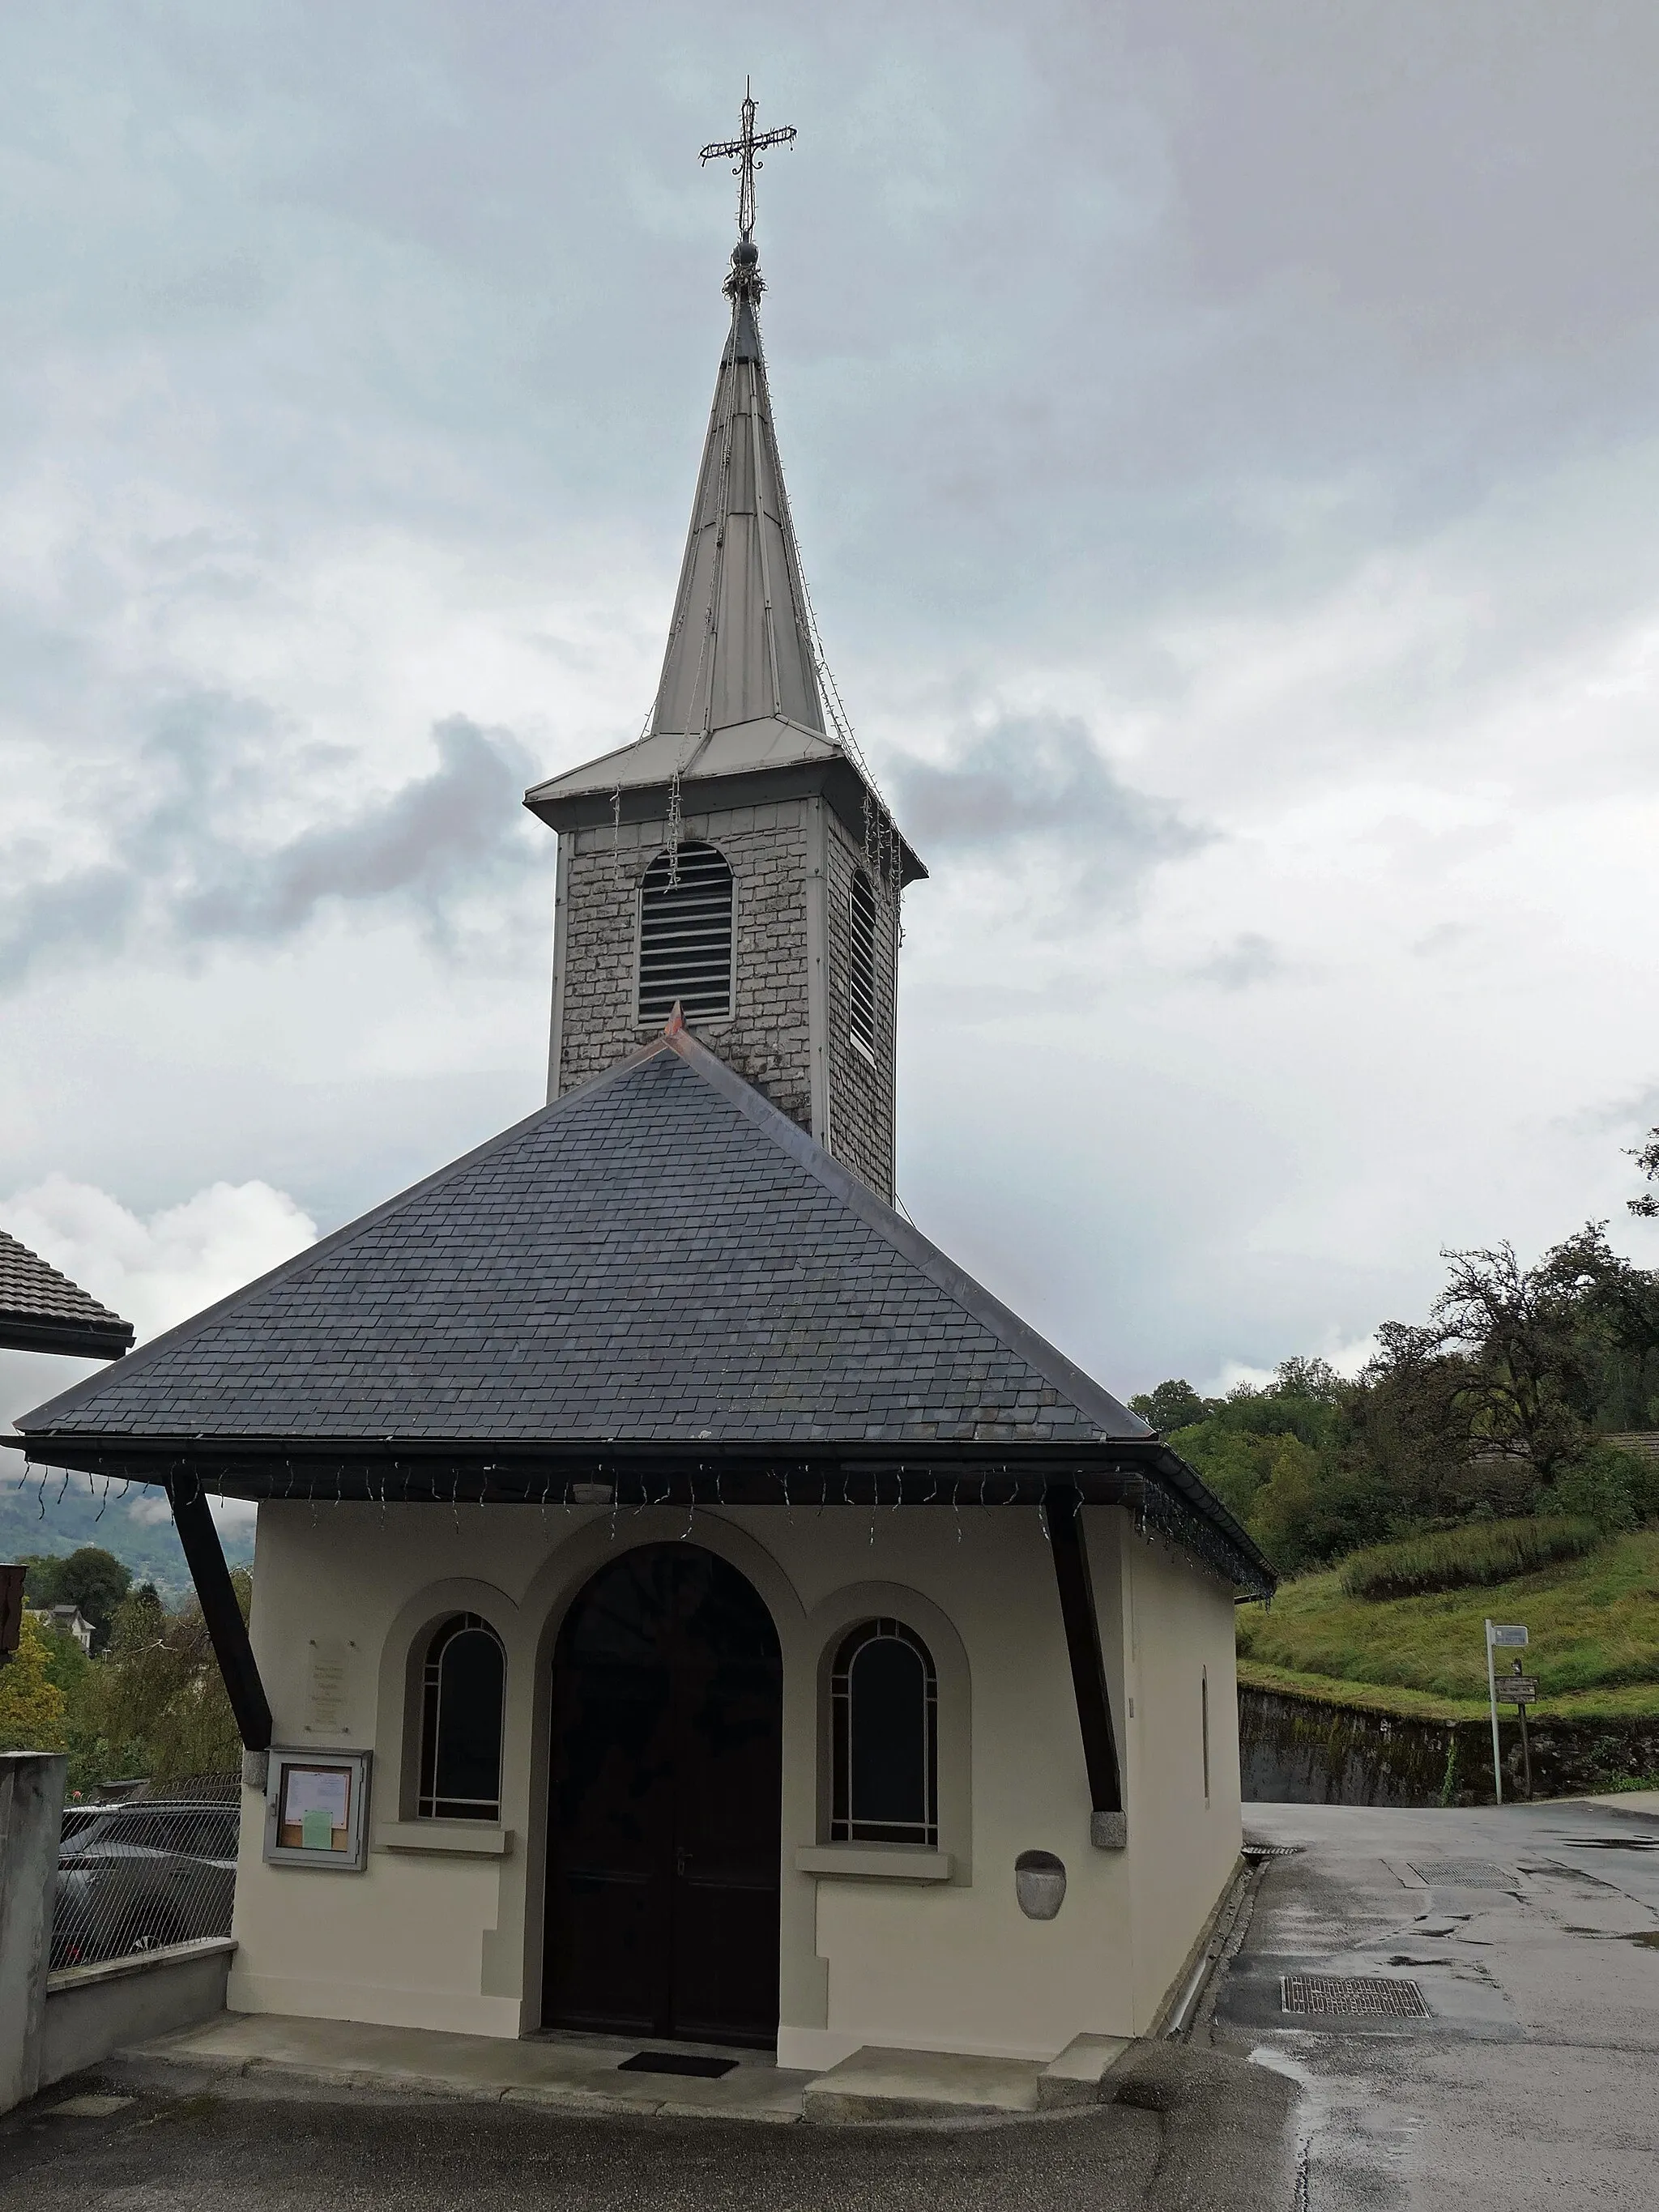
x: 1078, y: 2076
x: 880, y: 2084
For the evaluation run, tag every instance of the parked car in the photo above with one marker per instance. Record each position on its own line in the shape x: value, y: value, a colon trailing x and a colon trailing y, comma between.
x: 133, y: 1877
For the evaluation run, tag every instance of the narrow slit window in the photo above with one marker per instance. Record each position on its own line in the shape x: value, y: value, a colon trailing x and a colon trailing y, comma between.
x: 861, y: 966
x: 464, y: 1680
x: 883, y: 1700
x: 685, y: 937
x: 1204, y: 1693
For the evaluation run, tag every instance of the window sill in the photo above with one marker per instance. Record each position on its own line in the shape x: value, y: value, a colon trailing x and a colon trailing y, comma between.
x: 451, y: 1840
x: 874, y: 1862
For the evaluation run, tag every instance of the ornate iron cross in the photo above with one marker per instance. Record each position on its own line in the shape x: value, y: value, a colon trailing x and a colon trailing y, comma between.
x: 741, y: 152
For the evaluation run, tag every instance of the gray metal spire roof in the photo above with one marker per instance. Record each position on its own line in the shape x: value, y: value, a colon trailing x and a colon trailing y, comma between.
x: 739, y: 647
x: 738, y: 695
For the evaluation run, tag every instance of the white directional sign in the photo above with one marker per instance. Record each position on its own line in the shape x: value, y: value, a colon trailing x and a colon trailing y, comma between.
x: 1497, y: 1637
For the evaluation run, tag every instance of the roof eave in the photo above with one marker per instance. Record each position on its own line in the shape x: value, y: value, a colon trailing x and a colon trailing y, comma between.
x: 73, y: 1340
x: 596, y: 806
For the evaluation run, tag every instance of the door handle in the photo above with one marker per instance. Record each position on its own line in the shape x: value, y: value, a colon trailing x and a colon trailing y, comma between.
x: 682, y: 1858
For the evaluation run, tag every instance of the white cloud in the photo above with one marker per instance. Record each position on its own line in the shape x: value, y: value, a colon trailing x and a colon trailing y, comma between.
x: 159, y: 1269
x: 1299, y: 458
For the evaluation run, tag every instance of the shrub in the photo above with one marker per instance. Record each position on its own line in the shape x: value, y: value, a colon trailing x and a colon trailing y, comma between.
x: 1614, y: 1488
x: 1464, y: 1558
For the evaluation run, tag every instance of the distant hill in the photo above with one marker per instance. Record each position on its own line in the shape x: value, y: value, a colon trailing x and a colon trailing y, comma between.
x: 137, y: 1529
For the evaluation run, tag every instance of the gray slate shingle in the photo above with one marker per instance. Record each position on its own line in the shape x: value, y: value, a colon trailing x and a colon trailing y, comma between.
x: 658, y: 1254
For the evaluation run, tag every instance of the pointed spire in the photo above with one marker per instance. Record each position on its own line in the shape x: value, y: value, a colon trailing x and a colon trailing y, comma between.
x: 740, y: 647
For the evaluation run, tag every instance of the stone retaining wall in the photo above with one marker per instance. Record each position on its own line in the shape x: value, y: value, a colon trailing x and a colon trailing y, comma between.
x: 1299, y: 1750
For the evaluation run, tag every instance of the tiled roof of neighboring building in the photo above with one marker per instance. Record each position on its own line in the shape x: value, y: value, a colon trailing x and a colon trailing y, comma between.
x: 41, y: 1310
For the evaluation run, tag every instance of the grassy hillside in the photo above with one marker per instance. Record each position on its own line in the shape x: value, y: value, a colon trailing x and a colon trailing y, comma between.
x: 1595, y: 1626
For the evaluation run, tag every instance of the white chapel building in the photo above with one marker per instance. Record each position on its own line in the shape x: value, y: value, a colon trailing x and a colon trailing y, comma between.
x: 686, y: 1606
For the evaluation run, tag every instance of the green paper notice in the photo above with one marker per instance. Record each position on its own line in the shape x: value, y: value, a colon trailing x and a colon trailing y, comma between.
x: 317, y: 1828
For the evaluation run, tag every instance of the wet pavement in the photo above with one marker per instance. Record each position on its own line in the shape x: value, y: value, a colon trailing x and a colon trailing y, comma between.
x: 1505, y: 2057
x: 1200, y: 2133
x: 1528, y: 1935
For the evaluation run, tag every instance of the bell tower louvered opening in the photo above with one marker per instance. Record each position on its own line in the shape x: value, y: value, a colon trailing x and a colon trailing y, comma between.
x: 685, y: 937
x: 861, y: 966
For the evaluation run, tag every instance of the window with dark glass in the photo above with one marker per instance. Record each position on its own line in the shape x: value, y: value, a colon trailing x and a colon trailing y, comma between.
x: 685, y: 936
x: 861, y: 965
x: 883, y: 1700
x: 461, y: 1723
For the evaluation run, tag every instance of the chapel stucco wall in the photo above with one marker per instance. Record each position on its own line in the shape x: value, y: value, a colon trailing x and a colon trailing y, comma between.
x: 1178, y: 1630
x: 456, y: 1943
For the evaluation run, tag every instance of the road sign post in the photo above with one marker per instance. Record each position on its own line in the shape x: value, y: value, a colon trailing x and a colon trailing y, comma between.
x: 1498, y: 1636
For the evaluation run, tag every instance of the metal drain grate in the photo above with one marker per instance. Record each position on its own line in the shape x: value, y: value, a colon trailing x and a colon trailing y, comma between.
x: 1463, y: 1873
x: 1355, y: 1997
x: 1256, y: 1853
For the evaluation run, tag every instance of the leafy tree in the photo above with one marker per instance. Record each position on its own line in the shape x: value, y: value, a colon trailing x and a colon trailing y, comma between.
x: 32, y: 1707
x: 1524, y: 1385
x: 1171, y: 1405
x: 90, y: 1577
x: 156, y: 1704
x: 1646, y: 1157
x: 1284, y: 1517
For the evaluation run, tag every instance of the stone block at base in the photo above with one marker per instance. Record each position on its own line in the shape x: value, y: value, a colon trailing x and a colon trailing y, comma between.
x: 878, y: 2084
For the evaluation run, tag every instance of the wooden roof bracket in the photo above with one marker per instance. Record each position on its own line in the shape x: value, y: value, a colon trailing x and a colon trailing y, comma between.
x: 1108, y: 1824
x: 226, y: 1628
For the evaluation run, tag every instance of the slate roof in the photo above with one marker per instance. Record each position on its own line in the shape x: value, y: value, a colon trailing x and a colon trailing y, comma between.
x: 41, y: 1310
x: 658, y: 1255
x: 659, y: 1260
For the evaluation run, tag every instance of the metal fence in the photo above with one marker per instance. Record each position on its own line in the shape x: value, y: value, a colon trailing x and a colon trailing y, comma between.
x: 153, y: 1867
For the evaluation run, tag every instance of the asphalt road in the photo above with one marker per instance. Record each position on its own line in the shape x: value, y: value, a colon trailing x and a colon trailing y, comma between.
x: 1531, y: 2080
x: 1532, y: 1934
x: 1204, y: 2133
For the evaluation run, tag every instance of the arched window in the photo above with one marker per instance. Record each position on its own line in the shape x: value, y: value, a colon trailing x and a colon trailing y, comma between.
x: 861, y: 965
x: 685, y: 936
x: 884, y: 1709
x: 461, y: 1722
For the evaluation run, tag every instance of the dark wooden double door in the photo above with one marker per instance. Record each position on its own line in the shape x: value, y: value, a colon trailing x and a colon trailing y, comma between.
x: 665, y: 1804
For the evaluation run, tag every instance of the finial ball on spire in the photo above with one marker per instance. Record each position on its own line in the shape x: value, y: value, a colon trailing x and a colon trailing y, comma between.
x: 745, y: 253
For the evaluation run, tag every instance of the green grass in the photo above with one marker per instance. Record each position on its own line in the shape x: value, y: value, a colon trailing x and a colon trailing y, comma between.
x: 1594, y: 1624
x: 1479, y: 1553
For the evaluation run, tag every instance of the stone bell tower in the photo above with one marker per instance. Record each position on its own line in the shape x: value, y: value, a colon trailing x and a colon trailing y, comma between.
x: 736, y: 859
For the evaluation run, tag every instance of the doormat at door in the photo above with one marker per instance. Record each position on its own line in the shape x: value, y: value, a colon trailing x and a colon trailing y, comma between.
x: 677, y: 2062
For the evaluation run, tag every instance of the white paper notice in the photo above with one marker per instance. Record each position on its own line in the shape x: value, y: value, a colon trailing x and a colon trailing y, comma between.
x: 317, y: 1789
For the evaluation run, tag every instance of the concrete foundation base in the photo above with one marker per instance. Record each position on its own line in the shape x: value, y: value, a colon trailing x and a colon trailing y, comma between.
x: 584, y: 2073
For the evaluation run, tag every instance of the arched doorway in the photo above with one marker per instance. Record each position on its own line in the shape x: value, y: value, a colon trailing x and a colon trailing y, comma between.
x: 664, y: 1814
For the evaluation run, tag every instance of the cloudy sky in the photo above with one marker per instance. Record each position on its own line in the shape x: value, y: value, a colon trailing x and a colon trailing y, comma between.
x: 1225, y: 440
